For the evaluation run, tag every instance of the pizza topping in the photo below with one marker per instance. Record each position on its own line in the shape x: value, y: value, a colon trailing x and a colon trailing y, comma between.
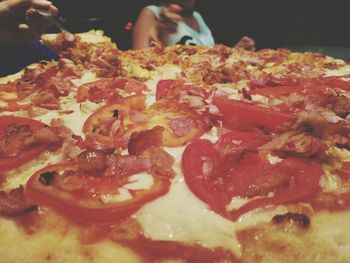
x: 341, y: 106
x: 300, y: 220
x: 141, y: 141
x: 296, y: 143
x: 92, y: 161
x: 161, y: 161
x: 80, y: 196
x: 247, y: 116
x: 344, y: 171
x: 64, y: 41
x: 164, y: 88
x: 16, y: 137
x: 14, y: 203
x: 47, y: 178
x: 19, y: 137
x: 109, y: 89
x: 127, y: 164
x: 182, y: 126
x: 22, y: 139
x: 111, y: 125
x: 215, y: 175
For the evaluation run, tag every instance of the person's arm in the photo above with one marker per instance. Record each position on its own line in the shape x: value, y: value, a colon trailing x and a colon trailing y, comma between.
x: 143, y: 30
x: 149, y: 28
x: 19, y: 23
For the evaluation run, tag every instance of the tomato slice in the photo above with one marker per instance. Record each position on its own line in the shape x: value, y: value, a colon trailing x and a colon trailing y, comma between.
x: 25, y: 155
x: 245, y: 116
x: 336, y: 82
x: 107, y: 89
x: 216, y: 174
x: 164, y: 87
x: 278, y: 91
x: 100, y: 89
x: 198, y: 154
x: 175, y: 89
x: 111, y: 125
x: 248, y: 140
x: 305, y: 176
x: 80, y: 197
x: 181, y: 124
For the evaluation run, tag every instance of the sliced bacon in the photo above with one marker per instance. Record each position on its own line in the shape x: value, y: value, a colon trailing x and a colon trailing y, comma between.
x: 297, y: 143
x: 153, y: 160
x: 133, y: 85
x: 161, y: 161
x: 224, y: 74
x: 19, y: 137
x: 341, y: 106
x: 13, y: 203
x: 125, y: 165
x: 46, y: 136
x: 182, y: 126
x: 16, y: 138
x: 92, y: 161
x: 141, y: 141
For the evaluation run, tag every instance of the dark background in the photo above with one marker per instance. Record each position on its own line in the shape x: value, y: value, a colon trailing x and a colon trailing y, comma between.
x: 301, y: 25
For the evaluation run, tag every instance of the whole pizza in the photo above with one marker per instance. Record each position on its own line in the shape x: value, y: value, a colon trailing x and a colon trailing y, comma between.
x: 176, y: 154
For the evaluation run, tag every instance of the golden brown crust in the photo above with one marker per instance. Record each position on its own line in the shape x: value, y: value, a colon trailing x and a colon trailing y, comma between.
x: 326, y: 240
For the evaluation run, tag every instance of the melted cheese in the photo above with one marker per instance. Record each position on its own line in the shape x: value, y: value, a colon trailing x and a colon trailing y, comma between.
x: 182, y: 217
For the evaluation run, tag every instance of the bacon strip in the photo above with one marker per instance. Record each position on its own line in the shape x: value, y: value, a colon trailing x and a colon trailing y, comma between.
x: 13, y: 203
x: 20, y: 137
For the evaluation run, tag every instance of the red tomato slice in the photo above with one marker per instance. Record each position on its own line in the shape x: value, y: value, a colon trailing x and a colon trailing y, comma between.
x: 107, y: 89
x: 181, y: 124
x: 164, y: 87
x: 336, y: 82
x: 111, y: 125
x: 216, y: 175
x: 278, y: 91
x: 78, y: 196
x: 8, y: 163
x: 306, y: 176
x: 198, y: 157
x: 248, y: 140
x: 101, y: 89
x: 244, y: 116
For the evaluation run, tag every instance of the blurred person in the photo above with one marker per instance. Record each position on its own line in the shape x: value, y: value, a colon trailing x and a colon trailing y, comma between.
x: 175, y: 22
x: 20, y: 30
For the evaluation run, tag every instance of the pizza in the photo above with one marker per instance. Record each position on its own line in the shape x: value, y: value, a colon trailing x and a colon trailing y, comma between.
x: 175, y: 154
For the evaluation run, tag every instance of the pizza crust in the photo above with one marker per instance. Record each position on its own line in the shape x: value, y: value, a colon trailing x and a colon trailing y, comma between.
x: 326, y: 240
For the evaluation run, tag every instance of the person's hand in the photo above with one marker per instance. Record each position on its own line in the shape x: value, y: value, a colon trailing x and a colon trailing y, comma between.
x: 247, y: 43
x: 20, y: 23
x: 167, y: 22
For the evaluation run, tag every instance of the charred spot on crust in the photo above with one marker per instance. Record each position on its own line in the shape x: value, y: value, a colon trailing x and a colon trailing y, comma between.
x: 115, y: 113
x: 300, y: 220
x: 47, y: 177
